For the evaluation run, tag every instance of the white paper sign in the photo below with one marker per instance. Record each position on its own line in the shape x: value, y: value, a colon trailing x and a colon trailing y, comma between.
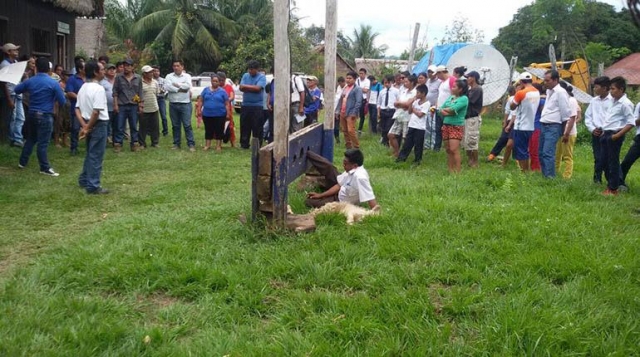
x: 13, y: 73
x: 300, y: 118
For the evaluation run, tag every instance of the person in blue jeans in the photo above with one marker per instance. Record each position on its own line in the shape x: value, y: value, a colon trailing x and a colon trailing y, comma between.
x: 93, y: 116
x: 44, y: 91
x: 127, y: 102
x: 14, y: 100
x: 74, y: 83
x: 178, y: 87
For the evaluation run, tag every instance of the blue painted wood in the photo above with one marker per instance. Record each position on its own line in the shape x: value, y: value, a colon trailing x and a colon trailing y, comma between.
x: 307, y: 139
x: 327, y: 145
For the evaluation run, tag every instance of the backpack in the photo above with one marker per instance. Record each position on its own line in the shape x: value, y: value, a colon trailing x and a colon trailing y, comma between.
x: 308, y: 98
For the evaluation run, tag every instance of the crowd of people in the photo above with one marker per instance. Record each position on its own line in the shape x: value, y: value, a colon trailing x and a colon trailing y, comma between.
x: 109, y: 104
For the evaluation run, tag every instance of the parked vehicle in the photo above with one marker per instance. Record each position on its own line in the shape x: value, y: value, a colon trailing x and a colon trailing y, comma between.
x: 238, y: 102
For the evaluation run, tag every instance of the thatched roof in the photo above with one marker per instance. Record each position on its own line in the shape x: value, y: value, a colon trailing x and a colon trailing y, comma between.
x: 80, y: 7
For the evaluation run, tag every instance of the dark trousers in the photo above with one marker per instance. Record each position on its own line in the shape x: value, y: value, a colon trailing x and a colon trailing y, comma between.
x: 75, y: 130
x: 330, y: 173
x: 251, y: 122
x: 269, y: 119
x: 336, y: 127
x: 598, y: 167
x: 415, y: 141
x: 40, y: 127
x: 610, y: 155
x: 149, y: 126
x: 438, y: 143
x: 311, y: 118
x: 362, y: 115
x: 501, y: 143
x: 386, y: 121
x: 632, y: 155
x: 113, y: 125
x: 162, y: 108
x: 373, y: 118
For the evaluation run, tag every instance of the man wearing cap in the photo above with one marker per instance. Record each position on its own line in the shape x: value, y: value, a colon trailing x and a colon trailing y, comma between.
x: 107, y: 83
x: 311, y: 111
x: 444, y: 92
x: 433, y: 85
x: 43, y: 91
x: 149, y: 121
x: 162, y: 104
x: 525, y: 103
x: 473, y: 121
x: 127, y: 102
x: 14, y: 101
x: 556, y: 112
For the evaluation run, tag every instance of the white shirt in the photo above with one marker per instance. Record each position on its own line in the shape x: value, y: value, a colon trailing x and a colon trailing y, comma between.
x: 575, y: 108
x: 298, y: 86
x: 402, y: 115
x: 636, y: 114
x: 597, y: 112
x: 528, y: 100
x: 434, y: 88
x: 416, y: 122
x: 556, y: 109
x: 619, y: 115
x: 92, y: 96
x: 364, y: 83
x: 507, y: 108
x: 355, y: 186
x: 394, y: 94
x: 184, y: 80
x: 337, y: 99
x: 373, y: 95
x: 444, y: 92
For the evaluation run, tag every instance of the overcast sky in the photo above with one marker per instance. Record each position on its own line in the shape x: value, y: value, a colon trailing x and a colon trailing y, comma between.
x: 394, y: 19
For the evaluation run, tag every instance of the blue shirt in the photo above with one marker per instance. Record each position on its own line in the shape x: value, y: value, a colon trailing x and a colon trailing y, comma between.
x: 43, y: 91
x: 315, y: 105
x: 214, y: 102
x: 73, y: 86
x: 250, y: 99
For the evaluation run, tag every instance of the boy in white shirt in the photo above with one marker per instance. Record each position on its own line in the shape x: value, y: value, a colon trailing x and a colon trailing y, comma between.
x: 417, y: 126
x: 634, y: 151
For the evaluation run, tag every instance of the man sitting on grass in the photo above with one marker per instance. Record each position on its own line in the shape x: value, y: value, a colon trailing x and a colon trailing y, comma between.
x: 352, y: 186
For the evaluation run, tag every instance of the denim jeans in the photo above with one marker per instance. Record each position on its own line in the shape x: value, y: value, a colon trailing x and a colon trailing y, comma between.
x: 162, y: 107
x: 127, y: 112
x: 40, y: 129
x: 549, y: 136
x: 96, y: 146
x: 610, y: 155
x: 17, y: 120
x: 180, y: 114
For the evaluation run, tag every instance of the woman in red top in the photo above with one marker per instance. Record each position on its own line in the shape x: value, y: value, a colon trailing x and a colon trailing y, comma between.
x: 232, y: 96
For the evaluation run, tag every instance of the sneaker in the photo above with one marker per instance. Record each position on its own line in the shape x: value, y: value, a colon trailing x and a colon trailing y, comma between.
x: 623, y: 188
x: 175, y: 147
x: 117, y: 148
x: 17, y: 144
x: 50, y: 172
x: 609, y: 192
x: 99, y: 191
x: 192, y: 148
x: 491, y: 157
x: 21, y: 166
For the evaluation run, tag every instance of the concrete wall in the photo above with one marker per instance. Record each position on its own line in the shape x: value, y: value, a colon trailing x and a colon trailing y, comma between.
x: 91, y: 37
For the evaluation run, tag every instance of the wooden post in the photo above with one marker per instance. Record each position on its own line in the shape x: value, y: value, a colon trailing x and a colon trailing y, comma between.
x: 255, y: 162
x: 281, y: 109
x: 414, y: 43
x: 330, y: 53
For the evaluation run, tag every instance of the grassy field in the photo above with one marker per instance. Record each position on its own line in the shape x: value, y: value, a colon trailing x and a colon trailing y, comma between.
x: 487, y: 263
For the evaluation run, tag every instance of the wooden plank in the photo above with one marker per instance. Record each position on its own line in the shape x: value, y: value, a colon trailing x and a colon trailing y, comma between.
x: 301, y: 142
x: 255, y: 203
x: 330, y: 55
x: 281, y: 109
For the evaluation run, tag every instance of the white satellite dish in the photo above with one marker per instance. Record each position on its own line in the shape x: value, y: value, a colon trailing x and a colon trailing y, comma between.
x: 493, y: 68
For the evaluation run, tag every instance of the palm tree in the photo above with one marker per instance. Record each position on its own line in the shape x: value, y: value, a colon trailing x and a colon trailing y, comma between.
x: 193, y: 28
x: 363, y: 43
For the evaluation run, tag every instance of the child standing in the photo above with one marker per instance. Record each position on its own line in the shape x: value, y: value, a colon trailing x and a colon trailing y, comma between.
x: 198, y: 111
x: 417, y: 126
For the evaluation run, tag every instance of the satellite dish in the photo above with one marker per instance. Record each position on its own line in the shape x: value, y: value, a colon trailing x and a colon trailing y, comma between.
x: 493, y: 68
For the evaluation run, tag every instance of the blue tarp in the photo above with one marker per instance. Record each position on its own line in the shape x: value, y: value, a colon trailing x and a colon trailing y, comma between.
x: 438, y: 55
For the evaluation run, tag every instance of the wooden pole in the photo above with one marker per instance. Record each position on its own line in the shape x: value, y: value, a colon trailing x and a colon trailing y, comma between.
x: 330, y: 54
x: 281, y: 109
x: 414, y: 43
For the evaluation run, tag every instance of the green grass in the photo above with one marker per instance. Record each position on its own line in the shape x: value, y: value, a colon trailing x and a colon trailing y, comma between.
x: 490, y: 262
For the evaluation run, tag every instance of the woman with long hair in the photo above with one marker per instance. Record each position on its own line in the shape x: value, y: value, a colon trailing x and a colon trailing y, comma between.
x: 453, y: 112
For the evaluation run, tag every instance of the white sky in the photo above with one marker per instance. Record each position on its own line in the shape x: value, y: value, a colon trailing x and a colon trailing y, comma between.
x: 394, y: 19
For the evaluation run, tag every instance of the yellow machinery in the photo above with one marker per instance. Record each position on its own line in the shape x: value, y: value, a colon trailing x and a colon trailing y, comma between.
x: 577, y: 74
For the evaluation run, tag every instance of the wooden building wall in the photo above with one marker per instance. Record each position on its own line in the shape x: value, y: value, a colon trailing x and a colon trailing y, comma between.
x: 39, y: 28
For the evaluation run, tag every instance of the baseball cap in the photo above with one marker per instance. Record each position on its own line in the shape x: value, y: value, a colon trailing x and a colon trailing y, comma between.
x: 312, y: 78
x: 441, y: 69
x: 432, y: 68
x: 147, y: 69
x: 525, y: 76
x: 9, y: 46
x: 473, y: 74
x: 128, y: 61
x: 110, y: 65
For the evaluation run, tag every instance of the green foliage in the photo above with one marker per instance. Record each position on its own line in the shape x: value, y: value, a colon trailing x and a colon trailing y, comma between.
x: 461, y: 31
x: 363, y: 43
x: 572, y: 23
x: 250, y: 48
x: 490, y: 262
x: 597, y: 52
